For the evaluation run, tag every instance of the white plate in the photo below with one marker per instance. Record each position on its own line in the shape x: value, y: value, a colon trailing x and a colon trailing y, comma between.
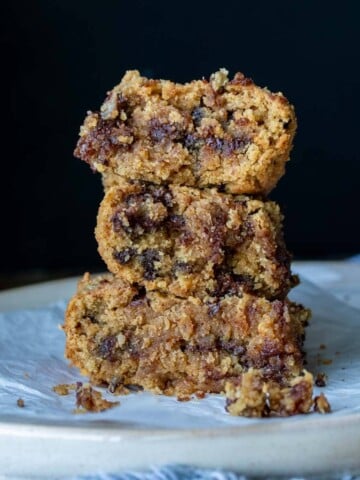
x: 46, y: 438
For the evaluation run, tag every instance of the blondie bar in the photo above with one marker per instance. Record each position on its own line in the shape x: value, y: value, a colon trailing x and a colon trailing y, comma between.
x: 187, y: 241
x: 226, y: 133
x: 123, y: 337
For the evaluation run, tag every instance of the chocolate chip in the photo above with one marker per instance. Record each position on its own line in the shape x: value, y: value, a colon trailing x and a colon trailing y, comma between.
x: 286, y: 125
x: 233, y: 347
x: 191, y: 141
x: 122, y: 103
x: 124, y: 256
x: 147, y: 259
x: 133, y: 216
x: 176, y: 222
x: 107, y: 348
x: 213, y: 309
x: 229, y: 283
x: 197, y: 115
x: 104, y: 141
x: 161, y: 131
x: 139, y: 297
x: 182, y: 267
x: 161, y: 194
x: 227, y: 146
x: 92, y: 318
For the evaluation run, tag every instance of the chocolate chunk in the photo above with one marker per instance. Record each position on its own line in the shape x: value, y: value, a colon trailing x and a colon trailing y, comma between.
x: 227, y: 146
x: 213, y: 309
x: 191, y: 141
x: 176, y: 222
x: 92, y: 318
x: 139, y: 297
x: 182, y: 267
x: 232, y: 347
x: 229, y: 283
x: 133, y: 216
x: 107, y: 348
x: 286, y: 125
x: 104, y: 141
x: 160, y: 194
x: 164, y: 131
x: 197, y: 114
x: 122, y: 103
x: 147, y: 259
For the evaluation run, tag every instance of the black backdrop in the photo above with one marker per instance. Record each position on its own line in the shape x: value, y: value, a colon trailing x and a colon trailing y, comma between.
x: 68, y: 53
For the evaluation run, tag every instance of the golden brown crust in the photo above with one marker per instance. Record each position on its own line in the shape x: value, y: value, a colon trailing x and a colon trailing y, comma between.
x: 187, y: 241
x: 203, y: 133
x: 119, y: 336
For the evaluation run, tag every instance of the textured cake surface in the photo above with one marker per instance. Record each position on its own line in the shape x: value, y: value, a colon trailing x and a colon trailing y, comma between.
x: 232, y: 134
x: 187, y: 241
x: 119, y: 336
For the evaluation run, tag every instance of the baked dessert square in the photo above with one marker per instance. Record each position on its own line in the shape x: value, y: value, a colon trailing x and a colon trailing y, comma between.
x: 123, y: 337
x: 227, y: 133
x: 192, y: 242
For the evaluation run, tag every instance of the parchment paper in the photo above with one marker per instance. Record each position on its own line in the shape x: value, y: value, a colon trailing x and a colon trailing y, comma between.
x: 32, y: 362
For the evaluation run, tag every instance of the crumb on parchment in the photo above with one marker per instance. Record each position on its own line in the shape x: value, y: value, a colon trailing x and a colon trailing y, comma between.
x: 321, y: 404
x: 64, y: 388
x: 321, y: 379
x: 90, y: 400
x: 87, y: 399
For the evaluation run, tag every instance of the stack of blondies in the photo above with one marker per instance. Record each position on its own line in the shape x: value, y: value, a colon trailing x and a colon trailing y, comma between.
x: 196, y: 301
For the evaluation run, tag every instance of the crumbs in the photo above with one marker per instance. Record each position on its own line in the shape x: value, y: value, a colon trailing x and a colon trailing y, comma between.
x: 90, y: 400
x: 321, y: 404
x: 64, y: 388
x: 321, y: 379
x: 20, y: 403
x: 86, y: 398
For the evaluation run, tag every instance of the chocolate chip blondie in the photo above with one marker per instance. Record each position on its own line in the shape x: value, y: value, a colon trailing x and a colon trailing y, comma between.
x: 226, y: 133
x: 187, y: 241
x: 119, y: 335
x: 197, y: 299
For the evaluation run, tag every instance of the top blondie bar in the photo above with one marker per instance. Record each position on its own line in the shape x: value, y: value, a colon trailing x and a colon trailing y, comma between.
x: 223, y: 133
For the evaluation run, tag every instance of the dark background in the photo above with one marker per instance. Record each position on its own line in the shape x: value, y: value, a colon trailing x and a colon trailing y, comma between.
x: 60, y: 57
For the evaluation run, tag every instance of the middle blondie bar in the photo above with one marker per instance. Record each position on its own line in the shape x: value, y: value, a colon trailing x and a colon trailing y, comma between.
x: 186, y: 241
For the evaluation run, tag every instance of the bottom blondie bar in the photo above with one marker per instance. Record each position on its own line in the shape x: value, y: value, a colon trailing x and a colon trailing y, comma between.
x: 125, y: 338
